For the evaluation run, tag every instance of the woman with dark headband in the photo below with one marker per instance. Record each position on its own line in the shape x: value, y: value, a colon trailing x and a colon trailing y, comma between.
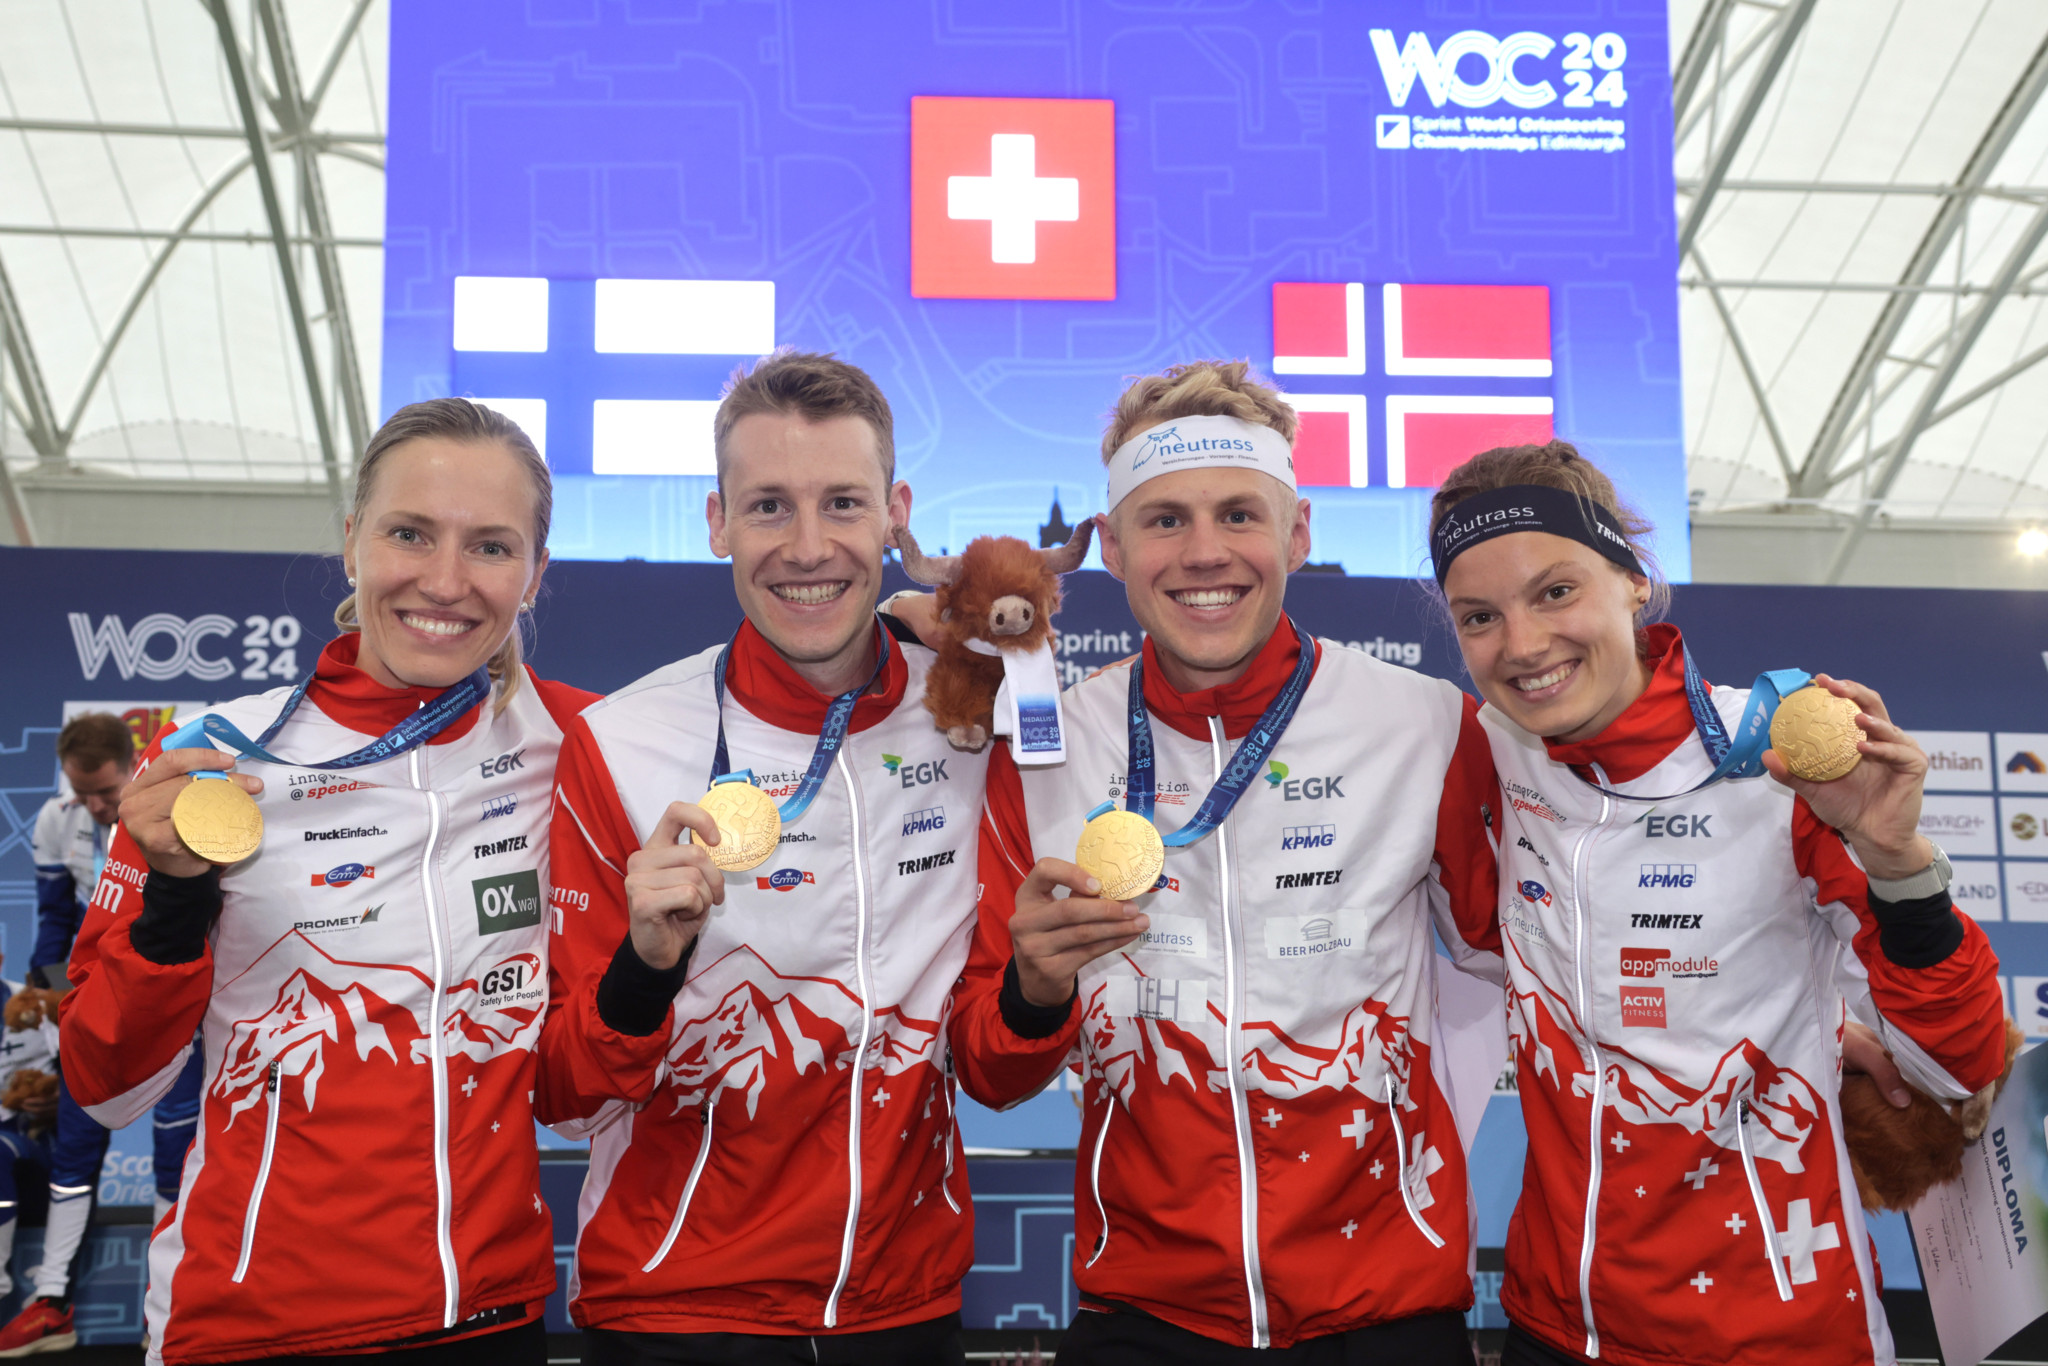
x: 364, y: 942
x: 1675, y: 907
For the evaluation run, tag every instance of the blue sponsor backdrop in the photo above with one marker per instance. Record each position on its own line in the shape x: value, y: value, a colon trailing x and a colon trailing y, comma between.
x: 1259, y: 142
x: 130, y: 629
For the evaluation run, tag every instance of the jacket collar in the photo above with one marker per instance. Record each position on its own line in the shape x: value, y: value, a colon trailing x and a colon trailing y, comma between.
x: 352, y: 698
x: 763, y: 682
x: 1654, y: 725
x: 1240, y: 702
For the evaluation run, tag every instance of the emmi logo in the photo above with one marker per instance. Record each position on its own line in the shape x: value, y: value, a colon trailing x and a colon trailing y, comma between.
x: 1307, y: 837
x: 1441, y: 70
x: 922, y: 822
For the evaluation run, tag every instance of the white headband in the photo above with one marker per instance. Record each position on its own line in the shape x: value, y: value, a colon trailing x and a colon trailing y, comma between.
x: 1193, y: 443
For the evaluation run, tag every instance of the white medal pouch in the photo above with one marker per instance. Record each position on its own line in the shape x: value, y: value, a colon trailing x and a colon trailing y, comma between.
x: 1028, y: 704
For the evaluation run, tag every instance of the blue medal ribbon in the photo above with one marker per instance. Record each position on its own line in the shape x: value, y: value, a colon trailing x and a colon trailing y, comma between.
x: 415, y: 730
x: 1742, y: 754
x: 1252, y: 751
x: 830, y: 737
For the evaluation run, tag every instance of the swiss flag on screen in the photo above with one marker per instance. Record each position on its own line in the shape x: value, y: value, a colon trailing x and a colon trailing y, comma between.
x: 1012, y: 199
x: 1468, y: 330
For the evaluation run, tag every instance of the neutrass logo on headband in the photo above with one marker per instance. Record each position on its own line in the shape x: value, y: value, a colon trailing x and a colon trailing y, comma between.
x: 1167, y: 441
x: 1455, y: 531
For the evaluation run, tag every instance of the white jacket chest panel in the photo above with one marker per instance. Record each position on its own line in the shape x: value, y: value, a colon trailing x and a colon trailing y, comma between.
x: 1315, y: 882
x: 65, y: 833
x: 1691, y: 917
x: 877, y: 873
x: 390, y: 880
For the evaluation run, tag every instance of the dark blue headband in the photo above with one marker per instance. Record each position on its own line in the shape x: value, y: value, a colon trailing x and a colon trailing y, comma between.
x: 1529, y: 507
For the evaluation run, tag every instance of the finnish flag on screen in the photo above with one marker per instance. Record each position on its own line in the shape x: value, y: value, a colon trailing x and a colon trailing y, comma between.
x: 579, y: 356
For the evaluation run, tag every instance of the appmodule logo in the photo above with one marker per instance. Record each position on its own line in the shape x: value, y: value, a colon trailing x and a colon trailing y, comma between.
x: 1654, y: 963
x: 1012, y: 198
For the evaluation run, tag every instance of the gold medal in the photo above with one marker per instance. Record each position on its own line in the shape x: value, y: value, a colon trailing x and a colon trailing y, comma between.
x: 749, y: 825
x: 1815, y: 733
x: 1122, y: 850
x: 217, y: 820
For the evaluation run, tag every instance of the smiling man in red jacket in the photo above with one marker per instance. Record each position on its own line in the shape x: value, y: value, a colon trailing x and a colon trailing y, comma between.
x: 1269, y: 1164
x: 759, y: 1055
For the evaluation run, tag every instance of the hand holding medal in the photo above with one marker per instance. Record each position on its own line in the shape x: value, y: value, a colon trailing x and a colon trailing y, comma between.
x: 1835, y: 745
x: 186, y: 813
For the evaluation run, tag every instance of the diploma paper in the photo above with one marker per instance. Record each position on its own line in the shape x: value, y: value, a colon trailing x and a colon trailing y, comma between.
x: 1981, y: 1239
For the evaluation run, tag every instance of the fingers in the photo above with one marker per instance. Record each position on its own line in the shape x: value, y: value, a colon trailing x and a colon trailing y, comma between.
x: 1866, y: 699
x: 173, y: 764
x: 1049, y: 873
x: 1863, y: 1051
x: 681, y: 816
x: 668, y: 873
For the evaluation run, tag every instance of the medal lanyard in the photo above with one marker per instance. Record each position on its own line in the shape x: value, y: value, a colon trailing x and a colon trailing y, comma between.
x: 830, y: 738
x: 444, y: 710
x: 1737, y: 756
x: 1252, y: 751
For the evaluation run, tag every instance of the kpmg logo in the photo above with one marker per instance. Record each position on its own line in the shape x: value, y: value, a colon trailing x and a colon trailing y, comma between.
x: 1294, y: 837
x: 925, y: 821
x: 499, y: 806
x: 1667, y: 875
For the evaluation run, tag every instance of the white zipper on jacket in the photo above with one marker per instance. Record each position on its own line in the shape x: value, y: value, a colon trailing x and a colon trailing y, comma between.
x: 1589, y: 1230
x: 1240, y: 1114
x: 1401, y: 1166
x: 867, y: 1024
x: 444, y: 1195
x: 271, y: 1107
x: 1095, y: 1172
x: 675, y: 1225
x: 1763, y: 1206
x: 952, y: 1135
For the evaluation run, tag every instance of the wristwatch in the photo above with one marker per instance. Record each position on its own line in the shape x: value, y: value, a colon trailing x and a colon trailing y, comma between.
x: 1935, y: 877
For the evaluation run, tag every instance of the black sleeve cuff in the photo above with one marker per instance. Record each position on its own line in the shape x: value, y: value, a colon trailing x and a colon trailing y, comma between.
x: 1028, y: 1021
x: 1917, y: 933
x: 633, y: 998
x: 177, y: 913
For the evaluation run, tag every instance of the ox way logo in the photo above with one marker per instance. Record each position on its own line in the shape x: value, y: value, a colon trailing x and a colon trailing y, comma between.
x: 509, y: 901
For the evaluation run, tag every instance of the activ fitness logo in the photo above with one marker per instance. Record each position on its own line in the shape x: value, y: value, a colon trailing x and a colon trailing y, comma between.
x: 509, y: 901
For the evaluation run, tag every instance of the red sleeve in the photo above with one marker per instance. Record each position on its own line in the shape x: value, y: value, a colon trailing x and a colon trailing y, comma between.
x: 583, y: 1061
x: 125, y: 1018
x: 995, y: 1064
x: 1466, y: 863
x: 1954, y: 1010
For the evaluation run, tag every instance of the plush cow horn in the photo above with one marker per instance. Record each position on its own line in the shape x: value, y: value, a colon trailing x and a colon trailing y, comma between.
x: 930, y: 570
x: 1068, y: 557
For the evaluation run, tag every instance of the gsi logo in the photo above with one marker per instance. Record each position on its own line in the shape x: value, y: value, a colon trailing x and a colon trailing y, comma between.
x: 1442, y: 71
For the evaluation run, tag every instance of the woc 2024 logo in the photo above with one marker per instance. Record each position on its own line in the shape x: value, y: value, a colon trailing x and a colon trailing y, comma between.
x: 1590, y: 69
x: 164, y: 645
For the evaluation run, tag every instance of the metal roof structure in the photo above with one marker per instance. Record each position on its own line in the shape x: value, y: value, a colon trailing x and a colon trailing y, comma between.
x: 191, y: 206
x: 191, y: 224
x: 1863, y: 200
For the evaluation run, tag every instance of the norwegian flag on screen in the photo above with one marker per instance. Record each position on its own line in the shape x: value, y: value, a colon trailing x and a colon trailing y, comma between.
x: 1434, y: 336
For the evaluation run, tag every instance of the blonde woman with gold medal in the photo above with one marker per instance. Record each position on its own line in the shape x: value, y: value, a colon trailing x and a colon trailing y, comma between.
x: 349, y: 908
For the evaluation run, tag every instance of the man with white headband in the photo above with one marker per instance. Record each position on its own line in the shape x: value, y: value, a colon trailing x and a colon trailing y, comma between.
x: 1269, y: 1164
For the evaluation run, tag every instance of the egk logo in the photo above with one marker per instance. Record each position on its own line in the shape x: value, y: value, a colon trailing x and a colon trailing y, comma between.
x: 503, y: 764
x: 915, y: 775
x: 1301, y: 789
x: 1677, y: 827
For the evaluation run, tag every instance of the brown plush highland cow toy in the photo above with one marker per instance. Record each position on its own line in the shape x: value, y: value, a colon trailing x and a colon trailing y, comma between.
x: 1001, y: 592
x: 30, y: 1006
x: 1898, y: 1155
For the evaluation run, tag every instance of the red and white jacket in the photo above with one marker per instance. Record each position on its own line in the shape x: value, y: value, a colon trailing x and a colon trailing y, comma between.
x: 364, y: 1171
x: 1268, y: 1148
x: 777, y: 1154
x: 1677, y: 994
